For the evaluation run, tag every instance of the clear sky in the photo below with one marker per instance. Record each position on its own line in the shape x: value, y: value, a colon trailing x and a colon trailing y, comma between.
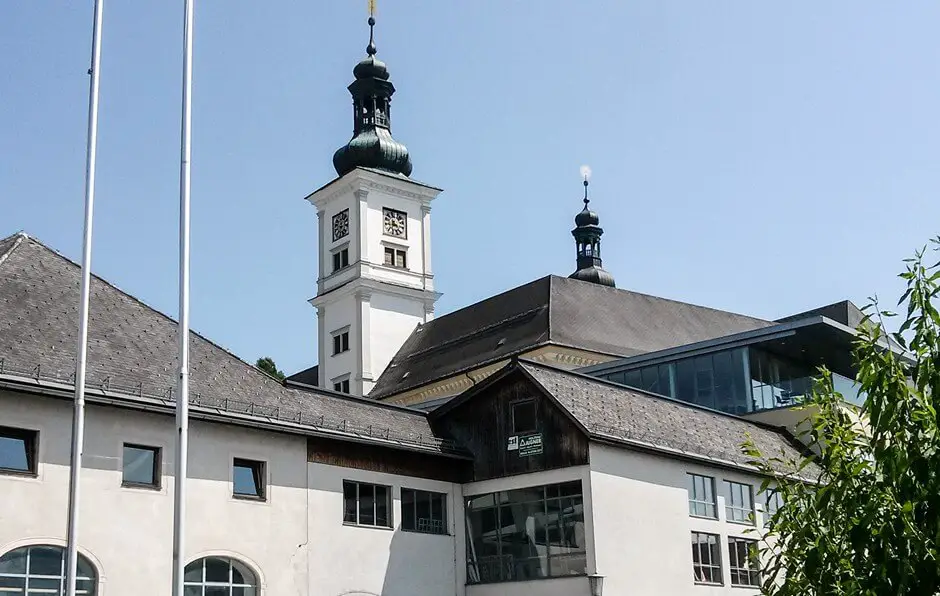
x: 759, y: 157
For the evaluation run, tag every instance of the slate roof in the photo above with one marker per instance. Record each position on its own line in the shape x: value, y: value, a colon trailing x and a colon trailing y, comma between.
x: 132, y: 350
x: 614, y: 412
x: 844, y: 312
x: 552, y: 310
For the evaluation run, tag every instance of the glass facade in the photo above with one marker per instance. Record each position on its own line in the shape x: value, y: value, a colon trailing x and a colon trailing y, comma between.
x: 525, y: 534
x: 735, y: 381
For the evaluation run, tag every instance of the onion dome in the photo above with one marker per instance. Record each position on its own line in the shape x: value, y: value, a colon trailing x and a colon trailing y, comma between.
x: 587, y: 235
x: 372, y: 145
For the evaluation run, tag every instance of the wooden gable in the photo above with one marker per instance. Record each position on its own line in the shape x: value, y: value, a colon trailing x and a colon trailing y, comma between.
x: 511, y: 426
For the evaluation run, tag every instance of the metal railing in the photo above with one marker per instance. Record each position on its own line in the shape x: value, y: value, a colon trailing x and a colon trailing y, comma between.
x: 114, y: 385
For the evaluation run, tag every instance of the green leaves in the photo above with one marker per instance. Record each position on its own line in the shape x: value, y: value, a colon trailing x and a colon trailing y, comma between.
x: 267, y: 365
x: 869, y: 524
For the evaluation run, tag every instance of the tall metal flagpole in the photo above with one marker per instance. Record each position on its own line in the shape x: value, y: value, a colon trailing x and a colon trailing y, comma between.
x: 78, y: 417
x: 182, y: 394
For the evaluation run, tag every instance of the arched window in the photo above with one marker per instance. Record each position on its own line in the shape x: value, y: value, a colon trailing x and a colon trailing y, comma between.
x: 219, y: 576
x: 41, y: 570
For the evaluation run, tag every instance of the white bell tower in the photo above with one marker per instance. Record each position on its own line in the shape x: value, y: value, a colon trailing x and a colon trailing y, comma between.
x: 375, y: 283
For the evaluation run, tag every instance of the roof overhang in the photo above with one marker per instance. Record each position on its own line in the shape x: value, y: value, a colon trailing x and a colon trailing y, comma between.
x: 814, y: 340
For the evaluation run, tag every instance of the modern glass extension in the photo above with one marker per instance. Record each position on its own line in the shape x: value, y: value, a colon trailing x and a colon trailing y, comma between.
x: 737, y: 381
x: 526, y: 534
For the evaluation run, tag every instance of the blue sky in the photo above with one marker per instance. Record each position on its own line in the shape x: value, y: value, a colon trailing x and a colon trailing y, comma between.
x: 757, y: 157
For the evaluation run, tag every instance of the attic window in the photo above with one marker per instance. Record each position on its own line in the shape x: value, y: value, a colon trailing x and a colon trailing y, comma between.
x: 523, y: 416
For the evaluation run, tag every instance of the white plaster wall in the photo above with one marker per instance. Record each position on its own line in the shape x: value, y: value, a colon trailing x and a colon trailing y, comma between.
x: 346, y: 559
x: 642, y: 527
x: 376, y: 255
x: 128, y: 532
x: 393, y: 318
x: 339, y: 313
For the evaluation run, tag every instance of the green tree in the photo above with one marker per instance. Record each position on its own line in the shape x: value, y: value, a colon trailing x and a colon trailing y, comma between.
x: 863, y: 518
x: 267, y: 365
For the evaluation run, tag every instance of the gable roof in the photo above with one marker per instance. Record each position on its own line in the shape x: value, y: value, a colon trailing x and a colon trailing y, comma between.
x: 132, y: 352
x: 551, y: 310
x: 634, y: 418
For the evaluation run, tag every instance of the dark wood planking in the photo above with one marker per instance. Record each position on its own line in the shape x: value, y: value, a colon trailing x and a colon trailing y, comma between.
x: 376, y: 458
x: 483, y: 425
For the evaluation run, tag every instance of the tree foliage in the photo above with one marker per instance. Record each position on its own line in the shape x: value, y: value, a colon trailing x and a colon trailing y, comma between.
x: 267, y: 365
x: 863, y: 517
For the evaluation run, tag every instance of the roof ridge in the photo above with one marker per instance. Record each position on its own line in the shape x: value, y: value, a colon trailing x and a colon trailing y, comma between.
x: 19, y: 237
x: 44, y: 246
x: 646, y: 393
x: 672, y: 300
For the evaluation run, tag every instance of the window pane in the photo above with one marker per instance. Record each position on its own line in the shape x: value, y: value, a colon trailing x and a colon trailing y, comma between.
x: 13, y: 562
x: 524, y: 416
x: 389, y: 256
x: 248, y: 478
x: 45, y: 560
x: 381, y: 506
x: 349, y: 502
x: 139, y: 465
x: 192, y: 591
x: 217, y: 591
x: 241, y: 574
x: 438, y: 507
x: 193, y: 572
x: 16, y: 584
x: 400, y: 258
x: 14, y: 451
x: 408, y: 509
x: 243, y: 592
x: 367, y: 504
x: 217, y: 570
x: 44, y: 586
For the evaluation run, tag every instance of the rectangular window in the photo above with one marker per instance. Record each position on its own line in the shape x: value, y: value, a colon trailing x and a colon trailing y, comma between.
x: 526, y: 534
x: 702, y: 496
x: 706, y: 558
x: 773, y: 500
x: 248, y: 481
x: 340, y: 343
x: 141, y: 466
x: 423, y: 511
x: 340, y: 259
x: 396, y: 257
x: 367, y: 504
x: 341, y: 386
x: 739, y: 503
x: 744, y: 561
x: 18, y: 450
x: 524, y: 416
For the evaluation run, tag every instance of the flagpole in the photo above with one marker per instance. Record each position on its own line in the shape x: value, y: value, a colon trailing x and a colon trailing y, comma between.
x: 182, y: 394
x: 78, y: 416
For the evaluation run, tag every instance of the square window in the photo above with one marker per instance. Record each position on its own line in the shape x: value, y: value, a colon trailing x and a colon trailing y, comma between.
x: 341, y: 386
x: 706, y: 558
x: 739, y: 503
x: 340, y: 343
x: 523, y: 416
x: 367, y: 504
x: 396, y: 257
x: 744, y: 561
x: 340, y: 259
x: 702, y: 496
x: 248, y: 479
x: 141, y: 466
x: 423, y: 511
x: 18, y: 450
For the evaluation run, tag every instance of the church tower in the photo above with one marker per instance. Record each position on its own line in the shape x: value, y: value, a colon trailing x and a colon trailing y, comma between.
x: 375, y: 283
x: 587, y: 238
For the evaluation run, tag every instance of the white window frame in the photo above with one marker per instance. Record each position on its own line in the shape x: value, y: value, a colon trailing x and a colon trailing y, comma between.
x: 735, y: 507
x: 693, y: 500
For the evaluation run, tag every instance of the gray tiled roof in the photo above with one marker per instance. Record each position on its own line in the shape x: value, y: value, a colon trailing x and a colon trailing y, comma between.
x: 610, y: 411
x: 133, y: 346
x: 552, y: 310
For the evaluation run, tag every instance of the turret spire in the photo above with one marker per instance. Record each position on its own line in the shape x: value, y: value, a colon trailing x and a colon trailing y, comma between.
x: 587, y: 236
x: 372, y: 145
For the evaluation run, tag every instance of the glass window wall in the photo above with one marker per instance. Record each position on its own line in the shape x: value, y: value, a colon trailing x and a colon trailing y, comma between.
x: 526, y: 534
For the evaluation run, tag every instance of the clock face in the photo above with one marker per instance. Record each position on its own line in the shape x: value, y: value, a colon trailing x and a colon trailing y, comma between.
x: 396, y: 223
x: 340, y: 224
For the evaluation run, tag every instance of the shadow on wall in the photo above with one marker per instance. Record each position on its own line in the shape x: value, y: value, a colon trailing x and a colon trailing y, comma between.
x: 420, y: 564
